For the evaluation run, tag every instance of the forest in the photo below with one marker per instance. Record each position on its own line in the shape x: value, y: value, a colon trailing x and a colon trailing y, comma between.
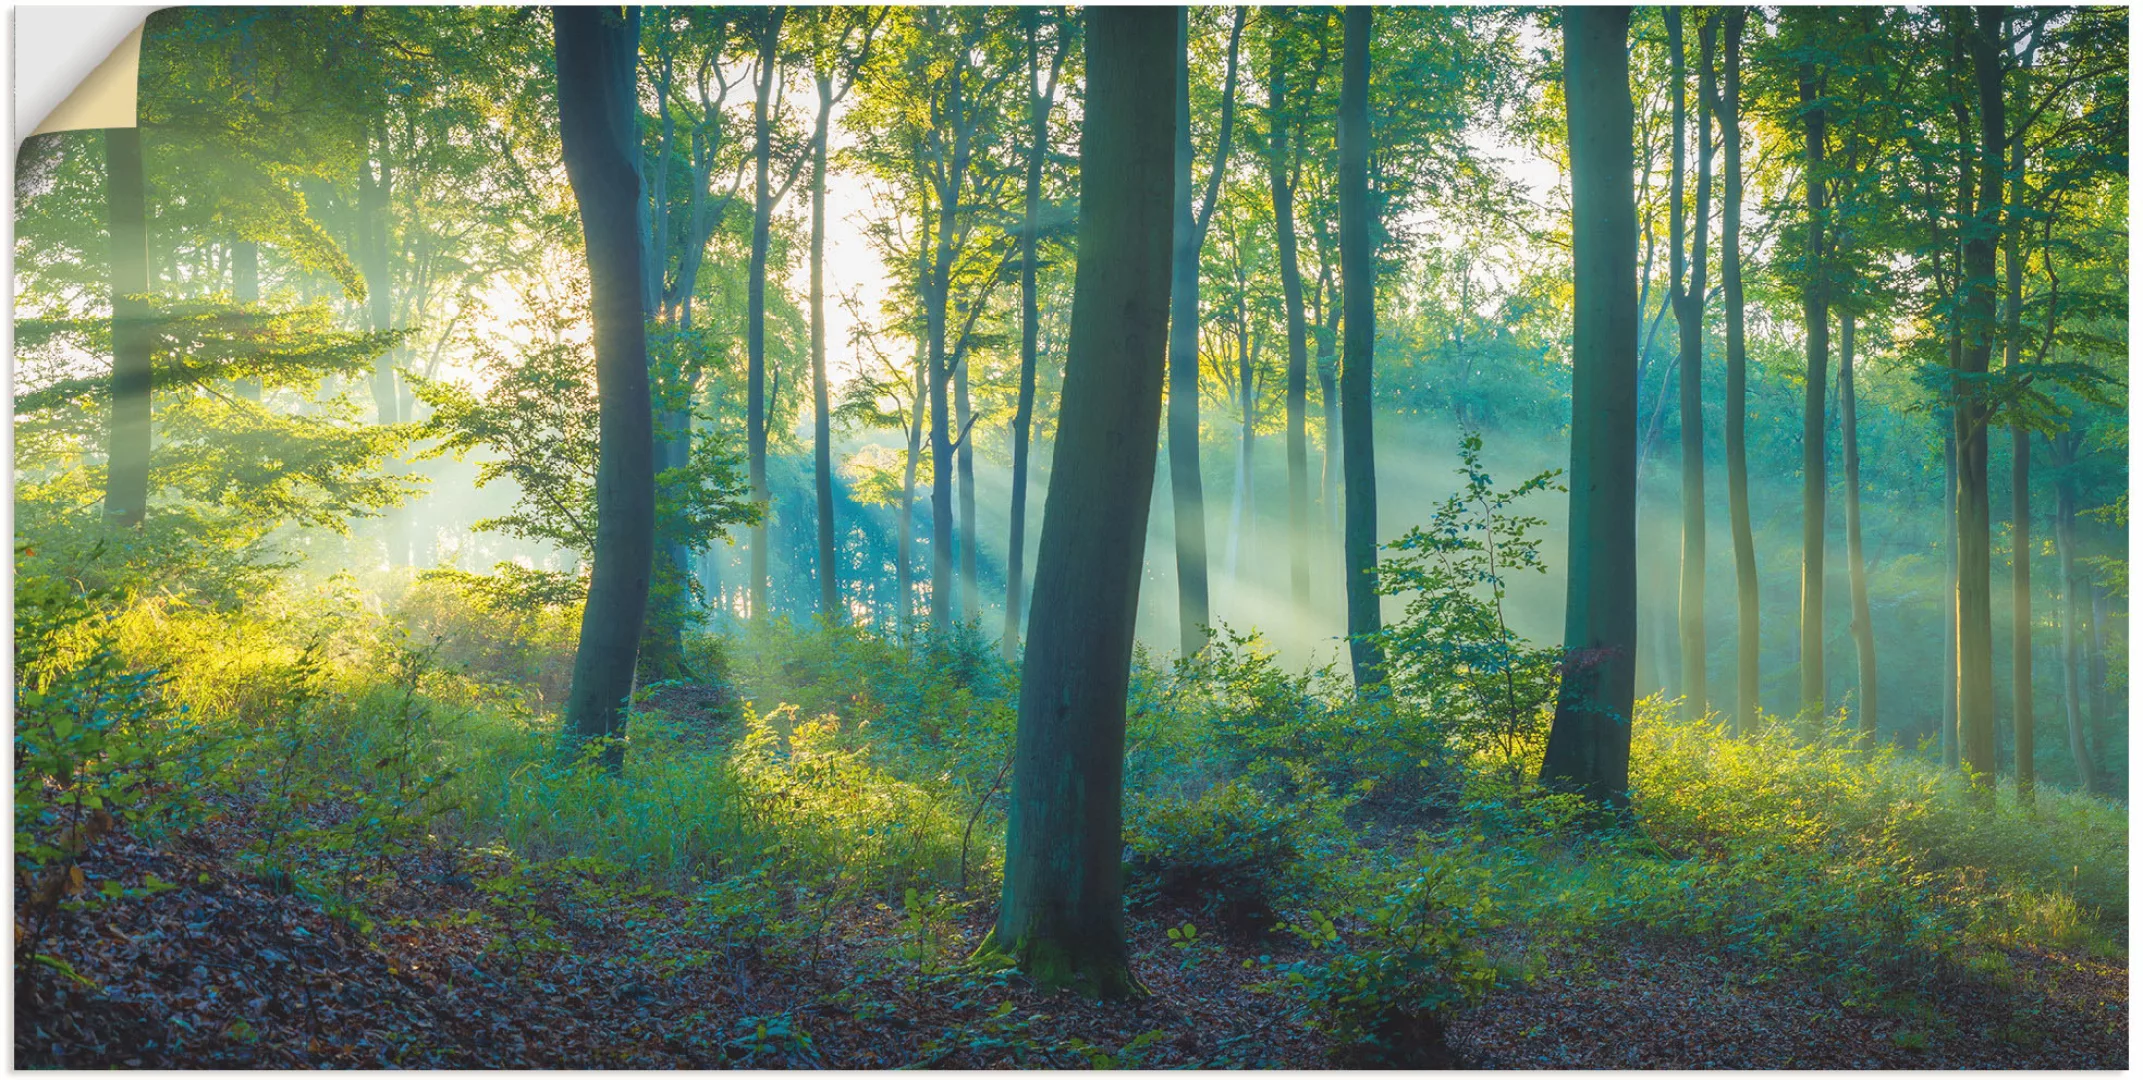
x: 1127, y: 537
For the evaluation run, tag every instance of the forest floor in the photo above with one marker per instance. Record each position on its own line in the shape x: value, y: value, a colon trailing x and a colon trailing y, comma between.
x: 451, y: 959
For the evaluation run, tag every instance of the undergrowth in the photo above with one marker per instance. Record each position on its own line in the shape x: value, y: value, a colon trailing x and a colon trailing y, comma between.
x: 835, y: 767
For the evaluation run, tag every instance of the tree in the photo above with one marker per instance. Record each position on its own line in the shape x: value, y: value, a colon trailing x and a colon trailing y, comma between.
x: 598, y: 123
x: 1282, y: 168
x: 126, y: 470
x: 1815, y: 326
x: 1041, y: 99
x: 929, y: 123
x: 1589, y: 741
x: 834, y: 66
x: 2074, y: 608
x: 1688, y: 302
x: 1061, y: 916
x: 1747, y: 637
x: 1358, y: 287
x: 1187, y: 488
x: 767, y: 38
x: 1982, y: 230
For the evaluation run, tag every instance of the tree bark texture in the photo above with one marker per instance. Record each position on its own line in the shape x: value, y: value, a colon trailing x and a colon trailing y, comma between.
x: 1589, y: 742
x: 1358, y: 291
x: 598, y: 111
x: 1061, y: 917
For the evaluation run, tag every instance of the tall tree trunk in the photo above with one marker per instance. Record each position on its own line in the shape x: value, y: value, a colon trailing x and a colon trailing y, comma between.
x: 1242, y: 510
x: 1283, y: 213
x: 1328, y: 396
x: 944, y: 587
x: 1186, y: 485
x: 1856, y: 559
x: 1689, y: 319
x: 1589, y: 743
x: 755, y: 304
x: 1815, y: 320
x: 1748, y: 639
x: 907, y: 491
x: 964, y: 462
x: 2020, y: 620
x: 598, y: 114
x: 1950, y: 756
x: 1061, y: 917
x: 2102, y: 710
x: 245, y: 288
x: 1975, y: 622
x: 126, y: 473
x: 374, y: 191
x: 1358, y: 291
x: 2073, y: 613
x: 1042, y: 96
x: 821, y: 397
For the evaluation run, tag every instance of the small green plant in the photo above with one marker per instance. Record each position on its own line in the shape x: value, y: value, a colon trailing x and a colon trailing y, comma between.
x: 776, y: 1040
x: 1232, y: 853
x: 1385, y: 986
x: 926, y: 921
x: 1454, y: 649
x: 95, y: 750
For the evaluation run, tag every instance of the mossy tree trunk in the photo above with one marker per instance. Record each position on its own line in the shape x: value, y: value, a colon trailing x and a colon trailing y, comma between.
x: 1589, y: 743
x: 597, y: 51
x: 1061, y: 918
x: 1358, y: 292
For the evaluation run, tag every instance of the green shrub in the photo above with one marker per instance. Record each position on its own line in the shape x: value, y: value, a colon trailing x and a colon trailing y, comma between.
x: 1231, y: 853
x: 1453, y: 651
x: 1384, y: 983
x: 1232, y: 710
x: 517, y: 628
x: 97, y: 745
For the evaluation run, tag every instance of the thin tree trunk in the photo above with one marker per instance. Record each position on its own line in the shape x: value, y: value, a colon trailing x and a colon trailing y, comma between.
x: 1243, y: 511
x: 1186, y: 485
x: 1283, y: 212
x: 1041, y: 98
x: 245, y: 288
x: 1950, y: 755
x: 2072, y: 694
x: 1061, y: 917
x: 1856, y: 560
x: 821, y: 397
x: 1589, y: 742
x: 964, y: 462
x: 2020, y: 620
x: 1689, y: 319
x: 907, y: 493
x: 1815, y: 320
x: 598, y: 110
x: 1975, y: 624
x: 755, y: 305
x: 1748, y: 641
x: 126, y: 473
x: 1358, y: 290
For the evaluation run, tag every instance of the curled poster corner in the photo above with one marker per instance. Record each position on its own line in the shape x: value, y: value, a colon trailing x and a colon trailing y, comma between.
x: 69, y: 73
